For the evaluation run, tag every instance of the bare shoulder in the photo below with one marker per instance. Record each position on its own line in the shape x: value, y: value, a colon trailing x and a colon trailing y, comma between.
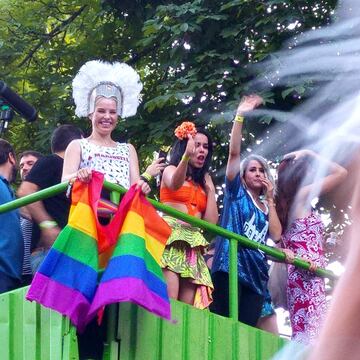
x: 74, y: 145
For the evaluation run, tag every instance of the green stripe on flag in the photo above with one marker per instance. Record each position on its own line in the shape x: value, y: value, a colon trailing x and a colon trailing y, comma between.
x: 130, y: 244
x: 78, y: 245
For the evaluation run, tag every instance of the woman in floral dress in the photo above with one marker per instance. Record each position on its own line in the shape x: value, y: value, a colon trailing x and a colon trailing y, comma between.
x: 303, y: 234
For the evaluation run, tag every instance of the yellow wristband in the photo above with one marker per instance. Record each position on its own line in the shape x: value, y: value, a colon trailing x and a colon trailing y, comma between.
x: 48, y: 224
x: 185, y: 158
x: 239, y: 119
x: 147, y: 176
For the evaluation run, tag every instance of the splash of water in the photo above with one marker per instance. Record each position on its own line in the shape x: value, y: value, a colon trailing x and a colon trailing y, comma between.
x: 329, y: 60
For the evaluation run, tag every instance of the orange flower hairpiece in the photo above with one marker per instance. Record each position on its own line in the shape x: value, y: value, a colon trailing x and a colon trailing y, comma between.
x: 186, y: 128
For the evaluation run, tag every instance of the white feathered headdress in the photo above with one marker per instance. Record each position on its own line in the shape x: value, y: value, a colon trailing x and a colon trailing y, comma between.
x: 97, y: 78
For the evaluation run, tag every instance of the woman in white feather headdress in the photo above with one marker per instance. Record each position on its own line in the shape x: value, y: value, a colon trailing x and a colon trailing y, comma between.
x: 104, y: 91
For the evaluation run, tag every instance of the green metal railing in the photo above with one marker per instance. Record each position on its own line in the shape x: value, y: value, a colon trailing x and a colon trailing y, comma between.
x: 234, y: 238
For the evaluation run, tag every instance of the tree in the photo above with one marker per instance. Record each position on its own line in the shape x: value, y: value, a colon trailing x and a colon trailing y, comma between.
x: 193, y: 58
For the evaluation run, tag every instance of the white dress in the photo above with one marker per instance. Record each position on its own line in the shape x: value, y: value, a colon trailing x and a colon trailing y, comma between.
x: 113, y: 162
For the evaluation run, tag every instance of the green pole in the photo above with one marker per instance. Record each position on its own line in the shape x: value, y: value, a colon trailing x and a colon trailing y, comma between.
x: 39, y: 195
x: 233, y: 281
x: 275, y: 253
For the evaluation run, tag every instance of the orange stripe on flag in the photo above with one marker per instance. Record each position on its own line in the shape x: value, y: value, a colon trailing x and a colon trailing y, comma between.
x: 76, y: 220
x: 155, y: 225
x: 80, y: 190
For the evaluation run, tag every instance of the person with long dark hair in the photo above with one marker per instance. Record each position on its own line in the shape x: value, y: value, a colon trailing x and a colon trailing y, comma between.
x: 187, y: 186
x: 303, y: 234
x: 249, y: 210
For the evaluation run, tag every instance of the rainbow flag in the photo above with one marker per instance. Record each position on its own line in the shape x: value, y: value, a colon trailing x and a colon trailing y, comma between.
x: 128, y: 250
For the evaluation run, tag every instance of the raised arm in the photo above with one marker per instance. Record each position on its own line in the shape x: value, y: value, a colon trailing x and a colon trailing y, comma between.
x: 174, y: 176
x: 247, y: 104
x: 335, y: 175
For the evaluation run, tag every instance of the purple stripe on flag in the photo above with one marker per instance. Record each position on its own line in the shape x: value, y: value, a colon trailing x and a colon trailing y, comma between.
x: 60, y: 298
x: 129, y: 290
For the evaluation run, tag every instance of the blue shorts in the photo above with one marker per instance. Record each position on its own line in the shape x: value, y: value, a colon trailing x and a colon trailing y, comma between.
x: 37, y: 258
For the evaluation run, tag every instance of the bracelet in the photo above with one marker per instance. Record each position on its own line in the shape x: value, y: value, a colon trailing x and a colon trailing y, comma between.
x: 185, y: 158
x: 270, y: 202
x: 144, y: 179
x: 239, y: 119
x: 146, y: 176
x: 48, y: 224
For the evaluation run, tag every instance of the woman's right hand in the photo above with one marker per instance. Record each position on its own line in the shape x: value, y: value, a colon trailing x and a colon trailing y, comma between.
x: 84, y: 175
x: 190, y: 146
x: 313, y: 267
x: 295, y: 155
x: 249, y: 103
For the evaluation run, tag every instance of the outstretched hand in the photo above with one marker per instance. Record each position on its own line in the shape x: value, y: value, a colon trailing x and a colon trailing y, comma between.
x: 249, y: 103
x: 295, y: 155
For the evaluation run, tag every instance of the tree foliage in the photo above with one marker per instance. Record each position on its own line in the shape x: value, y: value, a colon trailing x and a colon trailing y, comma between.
x: 193, y: 58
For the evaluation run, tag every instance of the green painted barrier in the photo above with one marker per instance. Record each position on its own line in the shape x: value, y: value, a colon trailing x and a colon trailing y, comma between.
x: 242, y: 240
x: 29, y: 331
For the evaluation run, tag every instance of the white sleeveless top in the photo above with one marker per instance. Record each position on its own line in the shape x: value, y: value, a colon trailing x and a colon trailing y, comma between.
x: 113, y: 162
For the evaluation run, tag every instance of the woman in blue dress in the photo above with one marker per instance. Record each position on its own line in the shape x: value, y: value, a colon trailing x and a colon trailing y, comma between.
x: 249, y: 210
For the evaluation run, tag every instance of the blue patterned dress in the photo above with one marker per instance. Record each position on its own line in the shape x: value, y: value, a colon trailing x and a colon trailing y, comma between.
x: 242, y: 216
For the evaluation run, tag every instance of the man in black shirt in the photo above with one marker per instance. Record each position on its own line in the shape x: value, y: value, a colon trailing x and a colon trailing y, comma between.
x: 51, y: 214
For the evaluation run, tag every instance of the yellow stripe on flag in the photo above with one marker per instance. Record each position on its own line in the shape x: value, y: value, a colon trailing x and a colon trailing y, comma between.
x: 76, y: 219
x: 134, y: 224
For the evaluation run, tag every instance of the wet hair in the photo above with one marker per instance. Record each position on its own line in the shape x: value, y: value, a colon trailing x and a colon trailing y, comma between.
x: 292, y: 175
x: 62, y: 137
x: 178, y: 150
x: 33, y: 153
x: 245, y: 163
x: 5, y: 150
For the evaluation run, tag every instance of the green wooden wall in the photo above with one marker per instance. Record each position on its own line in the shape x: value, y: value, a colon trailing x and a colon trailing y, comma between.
x: 28, y: 331
x: 192, y: 335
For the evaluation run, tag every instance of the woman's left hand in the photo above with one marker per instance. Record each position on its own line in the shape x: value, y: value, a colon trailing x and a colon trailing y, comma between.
x: 156, y: 167
x: 209, y: 185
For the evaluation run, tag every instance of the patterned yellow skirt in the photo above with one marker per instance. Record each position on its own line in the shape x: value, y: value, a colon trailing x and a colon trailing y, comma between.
x: 183, y: 255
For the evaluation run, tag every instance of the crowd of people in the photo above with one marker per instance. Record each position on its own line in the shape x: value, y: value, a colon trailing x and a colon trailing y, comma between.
x: 254, y: 205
